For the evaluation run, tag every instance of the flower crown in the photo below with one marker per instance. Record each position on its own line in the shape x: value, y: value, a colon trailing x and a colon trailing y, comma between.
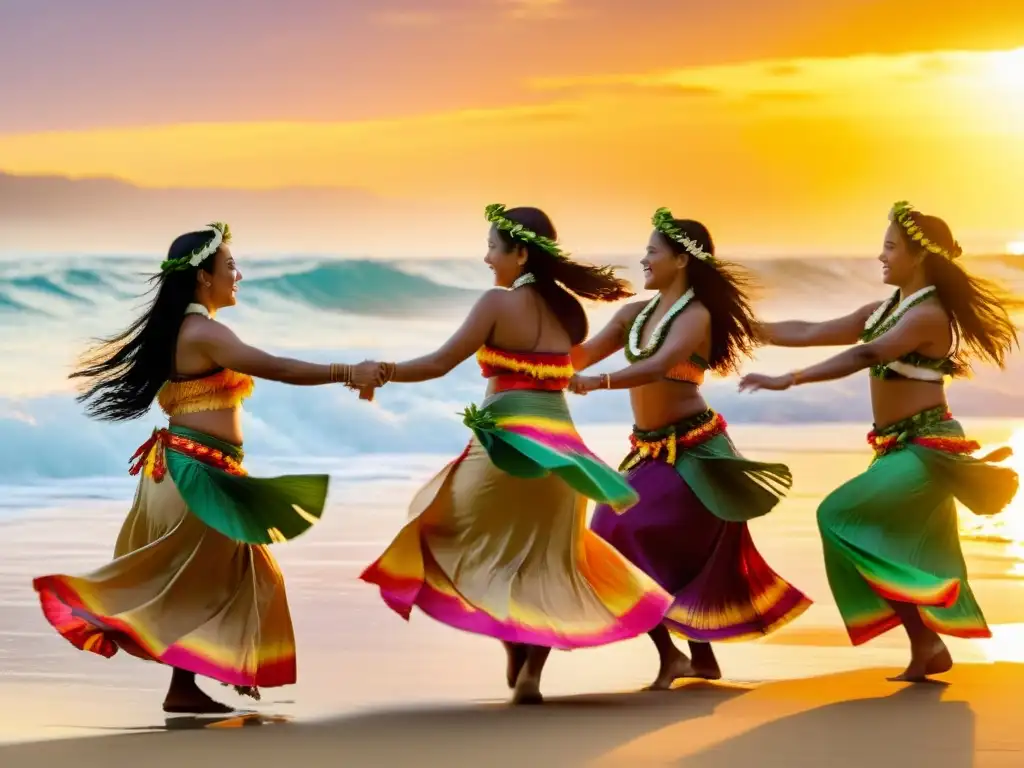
x: 495, y: 214
x: 901, y: 214
x: 221, y: 234
x: 664, y: 222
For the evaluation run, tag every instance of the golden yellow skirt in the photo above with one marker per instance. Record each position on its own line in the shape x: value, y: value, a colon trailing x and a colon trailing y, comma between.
x: 180, y: 593
x: 511, y: 557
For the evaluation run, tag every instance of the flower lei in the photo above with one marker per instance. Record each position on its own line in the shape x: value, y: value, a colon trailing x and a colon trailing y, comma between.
x: 901, y: 214
x: 524, y: 279
x: 876, y: 326
x: 634, y: 352
x: 664, y: 222
x: 495, y: 214
x: 220, y: 234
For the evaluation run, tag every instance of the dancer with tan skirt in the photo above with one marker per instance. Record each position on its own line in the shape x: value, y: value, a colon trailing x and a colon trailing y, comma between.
x: 497, y: 543
x: 193, y: 584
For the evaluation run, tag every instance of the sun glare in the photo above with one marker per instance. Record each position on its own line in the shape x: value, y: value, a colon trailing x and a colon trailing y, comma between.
x: 1015, y: 247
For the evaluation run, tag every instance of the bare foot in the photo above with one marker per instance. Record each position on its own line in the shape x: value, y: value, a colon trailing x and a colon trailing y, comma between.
x: 940, y: 663
x: 705, y: 665
x: 932, y: 659
x: 194, y: 703
x: 516, y: 660
x: 527, y: 691
x: 677, y: 667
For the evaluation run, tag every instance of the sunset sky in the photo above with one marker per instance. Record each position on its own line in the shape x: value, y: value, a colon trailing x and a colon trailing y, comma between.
x: 788, y: 126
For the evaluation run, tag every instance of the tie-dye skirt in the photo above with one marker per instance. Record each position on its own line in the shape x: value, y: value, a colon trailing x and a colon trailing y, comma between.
x: 891, y: 534
x: 193, y: 584
x: 497, y: 542
x: 689, y: 532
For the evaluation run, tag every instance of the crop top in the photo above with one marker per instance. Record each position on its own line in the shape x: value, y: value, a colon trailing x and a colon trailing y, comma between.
x: 549, y: 371
x: 217, y: 390
x: 913, y: 365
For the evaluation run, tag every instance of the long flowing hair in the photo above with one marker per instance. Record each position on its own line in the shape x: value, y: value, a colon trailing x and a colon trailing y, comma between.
x: 561, y: 282
x: 979, y: 309
x: 724, y: 289
x: 123, y: 374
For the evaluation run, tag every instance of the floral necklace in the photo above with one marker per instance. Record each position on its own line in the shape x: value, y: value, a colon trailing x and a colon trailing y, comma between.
x: 876, y: 326
x: 524, y: 279
x: 634, y: 351
x: 197, y: 309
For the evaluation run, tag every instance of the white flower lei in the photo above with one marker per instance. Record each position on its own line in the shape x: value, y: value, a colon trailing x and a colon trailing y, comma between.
x: 654, y: 342
x: 870, y: 326
x: 198, y: 257
x: 524, y: 279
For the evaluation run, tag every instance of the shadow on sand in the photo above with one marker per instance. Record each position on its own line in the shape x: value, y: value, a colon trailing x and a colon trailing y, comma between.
x: 838, y: 721
x: 910, y: 727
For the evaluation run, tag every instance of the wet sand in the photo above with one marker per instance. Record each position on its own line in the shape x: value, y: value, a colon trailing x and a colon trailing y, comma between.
x: 374, y: 690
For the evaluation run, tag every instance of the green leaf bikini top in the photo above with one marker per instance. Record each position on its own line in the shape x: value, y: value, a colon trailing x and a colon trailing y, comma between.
x: 913, y: 365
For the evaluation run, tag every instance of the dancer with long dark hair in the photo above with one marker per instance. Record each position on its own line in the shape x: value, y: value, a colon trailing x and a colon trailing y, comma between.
x: 892, y: 550
x: 193, y: 584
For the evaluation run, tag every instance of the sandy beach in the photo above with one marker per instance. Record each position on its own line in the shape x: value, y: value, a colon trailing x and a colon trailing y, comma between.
x: 374, y: 690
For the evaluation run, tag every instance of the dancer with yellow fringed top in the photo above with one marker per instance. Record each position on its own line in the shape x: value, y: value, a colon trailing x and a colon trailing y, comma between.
x: 689, y: 530
x: 497, y: 543
x: 192, y: 584
x: 892, y: 551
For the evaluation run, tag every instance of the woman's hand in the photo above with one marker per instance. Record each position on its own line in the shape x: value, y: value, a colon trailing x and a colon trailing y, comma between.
x: 755, y: 381
x: 366, y: 375
x: 581, y: 385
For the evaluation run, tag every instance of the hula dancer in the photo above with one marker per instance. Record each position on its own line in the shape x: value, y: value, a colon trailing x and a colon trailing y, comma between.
x: 192, y: 584
x: 497, y: 542
x: 689, y: 531
x: 892, y: 552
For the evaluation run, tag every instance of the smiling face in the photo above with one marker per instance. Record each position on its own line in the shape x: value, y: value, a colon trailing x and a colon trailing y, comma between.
x: 506, y: 261
x: 899, y: 261
x: 662, y: 267
x: 219, y: 287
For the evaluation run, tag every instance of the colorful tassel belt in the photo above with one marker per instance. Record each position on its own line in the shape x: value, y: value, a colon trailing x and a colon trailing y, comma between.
x: 909, y: 431
x: 150, y: 455
x: 666, y: 443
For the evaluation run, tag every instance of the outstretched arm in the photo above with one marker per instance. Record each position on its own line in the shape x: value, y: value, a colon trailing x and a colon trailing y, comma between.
x: 908, y: 335
x: 610, y: 340
x: 831, y: 333
x: 682, y: 340
x: 224, y: 348
x: 472, y: 335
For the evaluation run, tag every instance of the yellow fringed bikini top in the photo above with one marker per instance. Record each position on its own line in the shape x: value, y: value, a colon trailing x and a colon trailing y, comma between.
x: 214, y: 391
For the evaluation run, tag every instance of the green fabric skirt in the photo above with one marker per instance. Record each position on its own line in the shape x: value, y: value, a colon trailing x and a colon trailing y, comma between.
x: 252, y: 510
x: 890, y: 535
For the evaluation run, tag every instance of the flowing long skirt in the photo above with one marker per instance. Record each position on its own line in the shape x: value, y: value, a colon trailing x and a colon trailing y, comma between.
x: 509, y: 555
x: 182, y: 593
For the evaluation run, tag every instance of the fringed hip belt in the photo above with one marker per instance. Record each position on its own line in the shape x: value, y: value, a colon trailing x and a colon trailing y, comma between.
x: 150, y: 455
x: 667, y: 442
x: 925, y: 429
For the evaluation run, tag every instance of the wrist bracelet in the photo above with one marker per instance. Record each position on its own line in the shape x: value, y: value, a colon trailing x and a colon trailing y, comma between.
x: 607, y: 380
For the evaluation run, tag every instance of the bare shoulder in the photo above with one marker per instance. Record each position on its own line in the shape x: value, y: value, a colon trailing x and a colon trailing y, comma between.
x: 697, y: 313
x: 198, y: 329
x: 628, y: 312
x: 931, y: 312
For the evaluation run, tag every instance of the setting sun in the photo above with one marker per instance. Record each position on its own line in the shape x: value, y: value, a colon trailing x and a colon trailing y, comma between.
x: 1015, y: 248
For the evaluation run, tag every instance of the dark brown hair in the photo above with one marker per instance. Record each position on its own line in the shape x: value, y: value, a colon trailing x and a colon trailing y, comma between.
x: 561, y: 280
x: 723, y: 288
x: 979, y: 309
x: 124, y: 373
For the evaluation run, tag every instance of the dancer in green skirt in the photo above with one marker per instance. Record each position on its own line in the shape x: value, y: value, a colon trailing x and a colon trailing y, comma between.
x: 892, y: 551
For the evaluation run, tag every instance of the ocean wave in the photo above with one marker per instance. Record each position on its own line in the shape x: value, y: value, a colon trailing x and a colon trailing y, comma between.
x: 360, y: 287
